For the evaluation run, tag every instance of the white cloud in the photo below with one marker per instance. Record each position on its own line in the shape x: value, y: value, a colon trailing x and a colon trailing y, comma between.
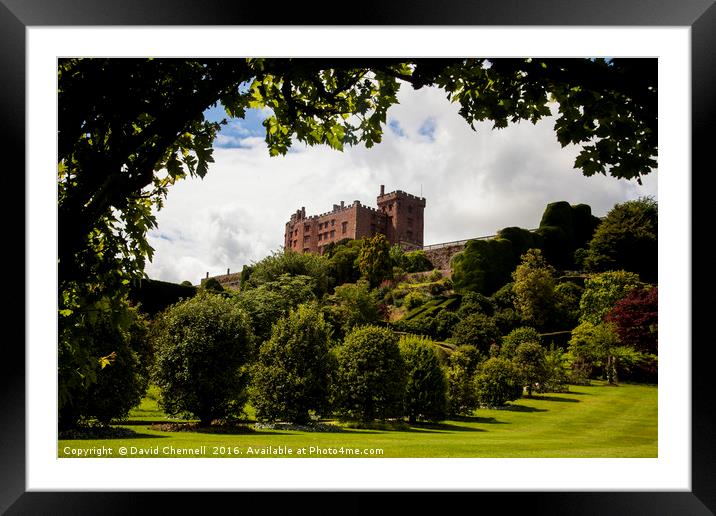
x: 475, y: 183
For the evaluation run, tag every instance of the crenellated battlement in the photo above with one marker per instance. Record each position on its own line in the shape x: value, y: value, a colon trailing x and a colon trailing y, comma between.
x: 357, y: 220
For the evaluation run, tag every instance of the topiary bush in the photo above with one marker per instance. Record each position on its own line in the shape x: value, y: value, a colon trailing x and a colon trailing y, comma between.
x: 291, y: 376
x: 414, y: 299
x: 497, y: 381
x: 426, y: 387
x: 483, y: 266
x: 370, y: 376
x: 203, y: 347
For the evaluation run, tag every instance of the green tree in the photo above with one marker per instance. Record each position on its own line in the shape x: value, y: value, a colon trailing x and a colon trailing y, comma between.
x: 627, y: 240
x: 517, y: 337
x: 292, y: 374
x: 343, y: 262
x: 370, y: 376
x: 596, y: 345
x: 353, y: 304
x: 120, y: 376
x: 566, y: 310
x: 203, y: 347
x: 602, y: 291
x: 497, y: 381
x: 426, y: 387
x: 128, y: 129
x: 290, y: 263
x: 272, y: 300
x: 477, y: 330
x: 534, y: 289
x: 462, y: 364
x: 530, y: 361
x: 374, y: 260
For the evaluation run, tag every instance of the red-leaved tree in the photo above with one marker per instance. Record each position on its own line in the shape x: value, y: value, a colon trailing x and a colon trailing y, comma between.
x: 636, y: 318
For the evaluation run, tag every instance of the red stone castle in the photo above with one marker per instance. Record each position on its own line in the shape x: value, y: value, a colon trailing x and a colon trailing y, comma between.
x: 399, y: 217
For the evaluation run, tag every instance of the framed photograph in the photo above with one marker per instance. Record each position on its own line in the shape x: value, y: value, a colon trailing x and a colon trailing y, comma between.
x: 417, y: 162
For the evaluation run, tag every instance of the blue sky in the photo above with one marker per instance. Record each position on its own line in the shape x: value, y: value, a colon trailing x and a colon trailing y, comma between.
x: 474, y: 182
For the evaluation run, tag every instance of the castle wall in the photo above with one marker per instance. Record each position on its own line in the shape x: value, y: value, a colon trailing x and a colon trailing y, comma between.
x: 399, y: 217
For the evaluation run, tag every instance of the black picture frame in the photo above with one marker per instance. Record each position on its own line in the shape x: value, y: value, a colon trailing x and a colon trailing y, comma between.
x: 700, y: 16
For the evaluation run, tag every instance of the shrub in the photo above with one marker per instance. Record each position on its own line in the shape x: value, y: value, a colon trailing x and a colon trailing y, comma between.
x: 507, y: 320
x: 478, y: 330
x: 292, y: 374
x: 530, y: 361
x: 370, y: 376
x: 435, y: 275
x: 474, y: 303
x: 153, y: 296
x: 203, y: 347
x: 119, y: 381
x: 426, y: 387
x: 462, y: 396
x: 504, y: 298
x: 417, y: 261
x: 515, y: 338
x: 414, y: 299
x: 213, y: 285
x: 445, y: 323
x: 497, y: 381
x: 602, y: 291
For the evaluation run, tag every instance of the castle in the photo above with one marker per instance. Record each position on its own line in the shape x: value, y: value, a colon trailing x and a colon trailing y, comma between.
x: 399, y: 217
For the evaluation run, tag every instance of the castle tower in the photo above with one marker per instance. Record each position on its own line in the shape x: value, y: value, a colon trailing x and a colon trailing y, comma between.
x: 404, y: 213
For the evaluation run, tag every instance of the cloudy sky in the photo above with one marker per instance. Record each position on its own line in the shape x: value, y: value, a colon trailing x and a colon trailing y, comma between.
x: 475, y: 183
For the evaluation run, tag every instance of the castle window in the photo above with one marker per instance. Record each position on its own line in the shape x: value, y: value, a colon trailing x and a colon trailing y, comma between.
x: 320, y: 236
x: 333, y: 233
x: 344, y: 227
x: 307, y: 227
x: 390, y: 207
x: 333, y: 222
x: 307, y: 238
x: 410, y: 221
x: 410, y: 209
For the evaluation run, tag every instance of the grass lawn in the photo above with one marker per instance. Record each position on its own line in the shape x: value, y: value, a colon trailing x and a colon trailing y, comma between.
x: 588, y: 421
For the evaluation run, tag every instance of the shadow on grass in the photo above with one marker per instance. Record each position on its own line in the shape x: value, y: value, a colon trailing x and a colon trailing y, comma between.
x: 521, y: 408
x: 444, y: 426
x: 554, y: 398
x: 94, y: 434
x: 477, y: 419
